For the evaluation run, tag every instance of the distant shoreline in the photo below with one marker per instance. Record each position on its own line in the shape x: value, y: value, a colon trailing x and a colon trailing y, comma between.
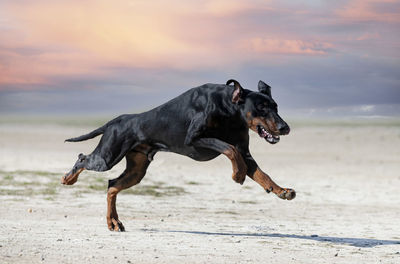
x: 97, y: 120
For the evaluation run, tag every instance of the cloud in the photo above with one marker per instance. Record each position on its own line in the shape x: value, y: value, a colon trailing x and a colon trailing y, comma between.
x: 87, y: 35
x: 227, y: 8
x: 317, y: 53
x: 371, y: 10
x: 286, y: 46
x: 71, y: 38
x: 365, y: 108
x: 368, y: 36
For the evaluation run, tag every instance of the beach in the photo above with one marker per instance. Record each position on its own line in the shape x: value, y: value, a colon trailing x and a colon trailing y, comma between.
x: 347, y: 210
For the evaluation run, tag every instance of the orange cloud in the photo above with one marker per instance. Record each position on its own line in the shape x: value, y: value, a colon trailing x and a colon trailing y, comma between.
x: 82, y: 37
x: 76, y: 38
x: 116, y: 32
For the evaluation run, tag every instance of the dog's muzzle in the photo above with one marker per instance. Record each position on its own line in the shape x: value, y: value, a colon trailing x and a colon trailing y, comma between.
x: 263, y: 132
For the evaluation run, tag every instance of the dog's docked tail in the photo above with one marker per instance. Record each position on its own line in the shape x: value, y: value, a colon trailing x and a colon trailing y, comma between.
x: 90, y: 135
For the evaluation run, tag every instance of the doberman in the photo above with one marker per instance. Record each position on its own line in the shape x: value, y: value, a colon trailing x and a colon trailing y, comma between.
x: 202, y: 123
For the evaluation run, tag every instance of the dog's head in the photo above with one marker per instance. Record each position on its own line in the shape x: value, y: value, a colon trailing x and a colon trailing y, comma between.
x: 260, y: 111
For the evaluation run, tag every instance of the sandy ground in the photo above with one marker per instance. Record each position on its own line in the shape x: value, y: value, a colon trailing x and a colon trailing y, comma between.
x: 347, y: 207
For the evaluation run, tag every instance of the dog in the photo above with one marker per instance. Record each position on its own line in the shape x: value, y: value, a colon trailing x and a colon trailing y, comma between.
x: 201, y: 123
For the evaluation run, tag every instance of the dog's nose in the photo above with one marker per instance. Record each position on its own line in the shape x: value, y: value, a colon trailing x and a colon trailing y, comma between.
x: 284, y: 129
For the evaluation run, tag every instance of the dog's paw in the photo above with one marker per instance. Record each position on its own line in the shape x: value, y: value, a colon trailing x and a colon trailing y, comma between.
x: 115, y: 225
x: 287, y: 194
x: 239, y: 177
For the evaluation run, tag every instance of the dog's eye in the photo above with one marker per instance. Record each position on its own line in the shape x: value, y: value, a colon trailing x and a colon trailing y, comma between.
x: 260, y: 107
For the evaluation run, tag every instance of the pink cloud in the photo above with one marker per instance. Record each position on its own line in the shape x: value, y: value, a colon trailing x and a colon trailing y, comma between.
x: 221, y: 8
x: 368, y: 36
x: 285, y: 46
x: 371, y: 10
x: 84, y: 38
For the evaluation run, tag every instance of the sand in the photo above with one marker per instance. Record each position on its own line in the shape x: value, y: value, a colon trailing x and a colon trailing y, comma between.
x: 347, y: 207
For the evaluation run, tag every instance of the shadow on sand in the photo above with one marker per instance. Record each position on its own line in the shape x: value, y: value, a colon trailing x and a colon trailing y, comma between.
x: 355, y: 242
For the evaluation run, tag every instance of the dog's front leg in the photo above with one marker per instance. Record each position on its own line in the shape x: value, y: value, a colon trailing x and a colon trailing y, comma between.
x: 270, y: 186
x: 265, y: 181
x: 238, y: 165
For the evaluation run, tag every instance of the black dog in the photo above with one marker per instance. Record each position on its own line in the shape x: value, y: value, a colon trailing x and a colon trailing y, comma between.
x: 202, y: 123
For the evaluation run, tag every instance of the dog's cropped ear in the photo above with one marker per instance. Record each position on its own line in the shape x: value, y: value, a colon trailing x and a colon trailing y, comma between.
x: 264, y: 88
x: 237, y: 93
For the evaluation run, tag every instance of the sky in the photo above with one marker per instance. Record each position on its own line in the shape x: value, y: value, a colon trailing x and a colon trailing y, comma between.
x: 93, y: 57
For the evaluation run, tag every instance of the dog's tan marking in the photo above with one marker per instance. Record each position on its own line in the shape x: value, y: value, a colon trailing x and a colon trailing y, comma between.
x: 253, y: 122
x: 71, y: 179
x: 239, y: 167
x: 270, y: 186
x: 136, y: 166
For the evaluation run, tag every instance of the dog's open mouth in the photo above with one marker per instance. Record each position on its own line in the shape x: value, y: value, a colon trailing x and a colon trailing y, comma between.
x: 262, y: 132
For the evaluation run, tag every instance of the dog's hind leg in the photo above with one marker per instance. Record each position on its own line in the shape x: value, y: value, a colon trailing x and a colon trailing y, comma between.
x: 110, y: 150
x: 90, y: 162
x: 136, y: 166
